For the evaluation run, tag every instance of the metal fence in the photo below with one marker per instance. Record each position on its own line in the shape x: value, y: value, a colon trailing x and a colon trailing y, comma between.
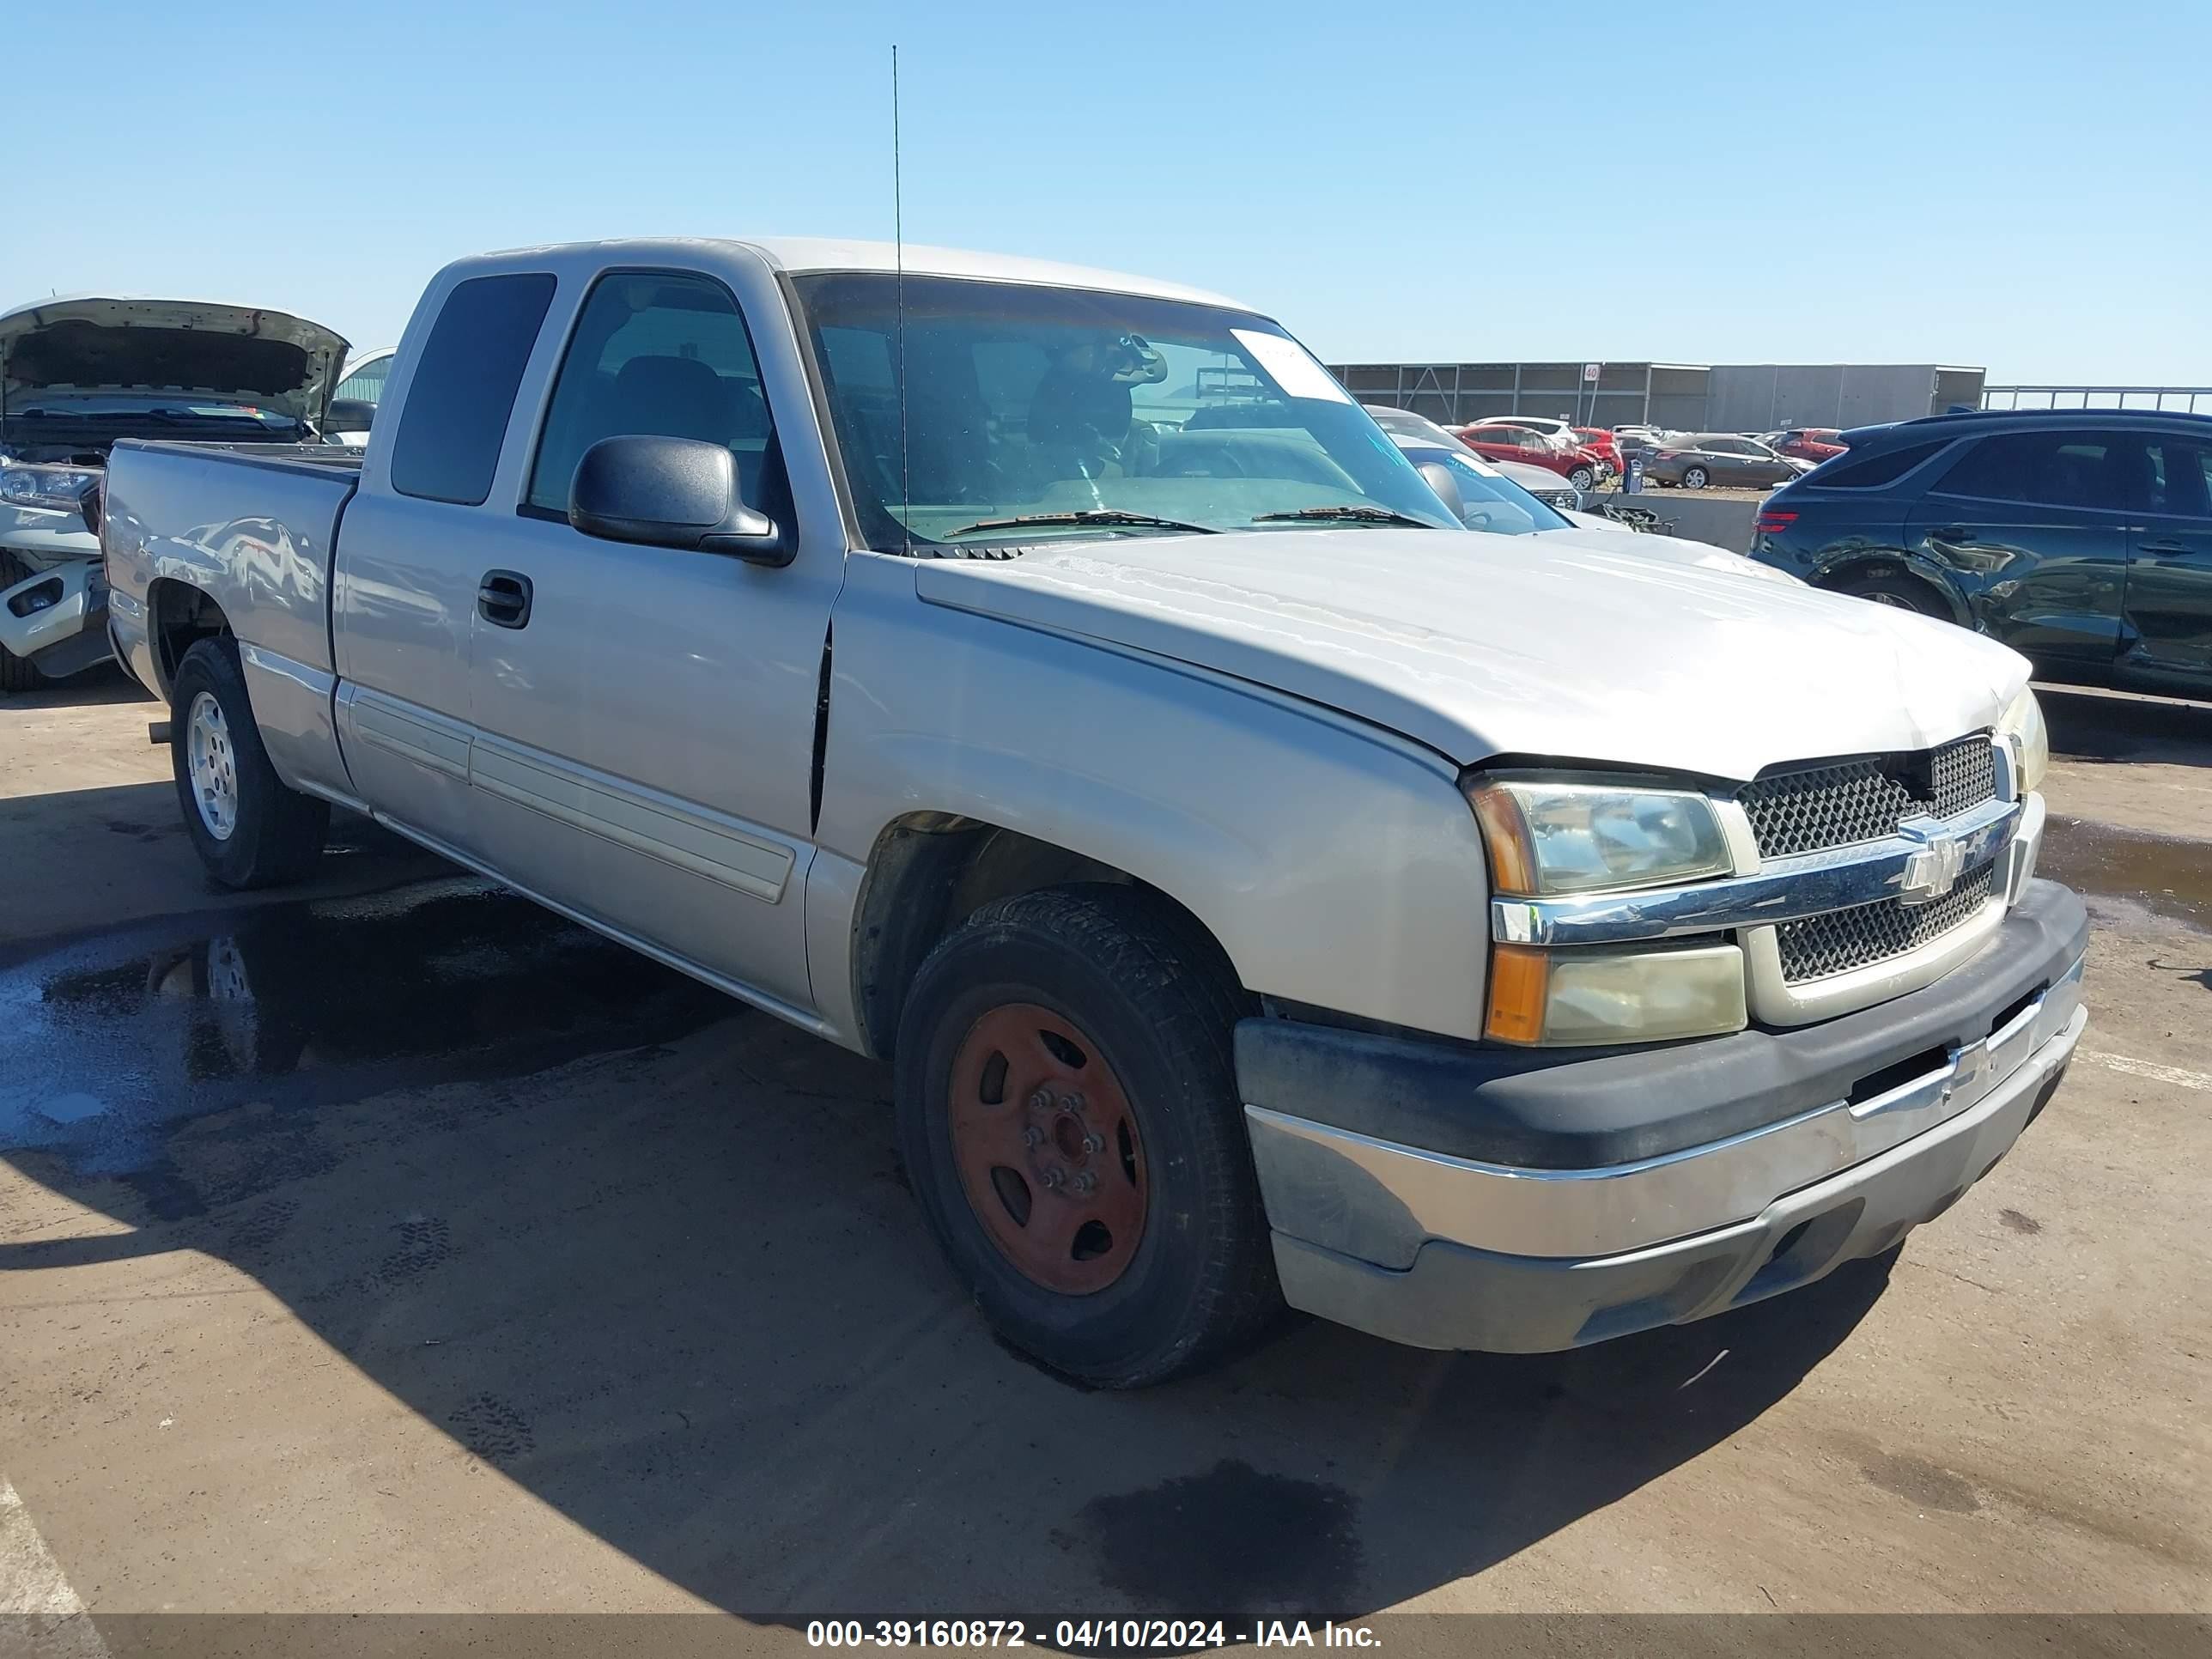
x: 2186, y: 399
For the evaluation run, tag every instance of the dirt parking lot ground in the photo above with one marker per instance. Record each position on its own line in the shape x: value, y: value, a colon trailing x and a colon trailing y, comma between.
x: 398, y: 1247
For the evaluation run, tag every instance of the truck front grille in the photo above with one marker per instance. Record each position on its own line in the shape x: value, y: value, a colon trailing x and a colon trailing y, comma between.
x: 1813, y: 808
x: 1841, y: 940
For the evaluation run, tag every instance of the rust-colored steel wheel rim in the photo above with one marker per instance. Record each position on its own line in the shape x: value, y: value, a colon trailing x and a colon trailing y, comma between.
x: 1048, y: 1149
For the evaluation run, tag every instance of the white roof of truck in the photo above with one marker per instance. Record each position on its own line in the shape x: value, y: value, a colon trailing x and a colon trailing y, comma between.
x: 805, y: 253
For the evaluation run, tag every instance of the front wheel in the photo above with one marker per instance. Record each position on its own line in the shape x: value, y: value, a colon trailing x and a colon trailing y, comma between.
x: 249, y: 829
x: 1069, y: 1121
x: 1695, y: 477
x: 1583, y: 479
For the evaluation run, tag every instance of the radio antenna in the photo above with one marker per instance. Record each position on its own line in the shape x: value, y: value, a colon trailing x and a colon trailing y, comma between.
x: 898, y: 302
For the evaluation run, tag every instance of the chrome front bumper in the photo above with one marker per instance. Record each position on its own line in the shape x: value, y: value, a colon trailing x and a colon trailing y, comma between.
x: 1456, y: 1252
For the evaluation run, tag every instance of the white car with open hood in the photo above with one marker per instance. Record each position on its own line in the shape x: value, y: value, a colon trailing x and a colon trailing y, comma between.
x: 78, y: 372
x: 1268, y: 892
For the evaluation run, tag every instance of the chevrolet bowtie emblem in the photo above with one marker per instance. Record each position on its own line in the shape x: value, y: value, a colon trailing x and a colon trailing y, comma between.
x: 1934, y: 869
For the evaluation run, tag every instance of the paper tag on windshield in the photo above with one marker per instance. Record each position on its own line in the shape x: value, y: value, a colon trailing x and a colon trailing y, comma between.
x: 1288, y: 364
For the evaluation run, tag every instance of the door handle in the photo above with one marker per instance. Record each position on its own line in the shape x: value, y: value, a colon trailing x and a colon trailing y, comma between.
x: 2163, y: 547
x: 1949, y: 532
x: 503, y: 599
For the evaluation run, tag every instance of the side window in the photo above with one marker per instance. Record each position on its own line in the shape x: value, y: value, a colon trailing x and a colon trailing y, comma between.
x: 657, y: 354
x: 2105, y: 471
x: 1866, y: 471
x: 366, y: 384
x: 456, y: 411
x: 2181, y: 478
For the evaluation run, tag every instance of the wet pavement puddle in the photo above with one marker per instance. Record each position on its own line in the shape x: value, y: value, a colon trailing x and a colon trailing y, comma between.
x: 116, y: 1038
x: 2167, y: 875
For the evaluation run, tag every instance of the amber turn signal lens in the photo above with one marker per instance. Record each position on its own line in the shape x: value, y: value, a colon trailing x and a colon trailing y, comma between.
x: 1511, y: 867
x: 1518, y: 993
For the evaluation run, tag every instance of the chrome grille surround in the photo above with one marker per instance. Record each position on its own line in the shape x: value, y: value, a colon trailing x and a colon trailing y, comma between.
x: 1839, y: 803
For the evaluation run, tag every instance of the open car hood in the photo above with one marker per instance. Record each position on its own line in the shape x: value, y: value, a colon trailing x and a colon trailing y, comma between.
x: 195, y: 348
x: 1575, y: 645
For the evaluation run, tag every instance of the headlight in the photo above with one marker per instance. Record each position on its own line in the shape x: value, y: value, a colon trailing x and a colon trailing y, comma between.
x: 53, y: 487
x: 1548, y: 838
x: 2022, y: 728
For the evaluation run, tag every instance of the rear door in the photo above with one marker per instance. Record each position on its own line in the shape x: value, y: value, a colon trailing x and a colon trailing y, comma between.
x: 645, y: 731
x: 1729, y: 461
x: 403, y: 605
x: 2169, y: 587
x: 2036, y: 527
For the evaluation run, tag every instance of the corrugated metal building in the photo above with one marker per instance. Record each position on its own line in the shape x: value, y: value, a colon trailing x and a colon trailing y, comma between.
x: 1685, y: 397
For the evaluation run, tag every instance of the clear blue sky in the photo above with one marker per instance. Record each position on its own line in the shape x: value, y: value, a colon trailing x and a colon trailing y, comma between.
x: 2019, y: 186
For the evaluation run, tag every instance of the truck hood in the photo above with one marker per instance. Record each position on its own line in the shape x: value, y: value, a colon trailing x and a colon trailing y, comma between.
x: 1575, y: 645
x: 212, y: 352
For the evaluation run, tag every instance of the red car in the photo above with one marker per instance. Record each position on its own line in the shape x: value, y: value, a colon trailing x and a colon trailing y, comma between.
x: 1807, y: 443
x: 1600, y: 443
x: 1494, y: 441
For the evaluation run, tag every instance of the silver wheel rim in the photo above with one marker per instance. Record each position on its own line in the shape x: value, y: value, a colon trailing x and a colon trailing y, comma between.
x: 212, y: 764
x: 1694, y: 478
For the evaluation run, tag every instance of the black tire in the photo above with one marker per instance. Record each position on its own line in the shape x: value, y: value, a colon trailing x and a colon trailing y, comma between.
x: 277, y: 833
x: 1887, y: 584
x: 1125, y: 968
x: 1695, y: 477
x: 1583, y: 479
x: 16, y: 673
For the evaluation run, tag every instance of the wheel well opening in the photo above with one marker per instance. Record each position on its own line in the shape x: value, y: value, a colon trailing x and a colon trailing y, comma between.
x: 181, y: 615
x: 928, y: 874
x: 1880, y: 567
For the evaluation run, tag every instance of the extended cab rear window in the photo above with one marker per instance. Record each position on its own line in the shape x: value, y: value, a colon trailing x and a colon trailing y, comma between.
x: 454, y: 416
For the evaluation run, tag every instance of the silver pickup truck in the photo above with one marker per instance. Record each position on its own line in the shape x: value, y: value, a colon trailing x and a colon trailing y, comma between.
x: 1267, y: 891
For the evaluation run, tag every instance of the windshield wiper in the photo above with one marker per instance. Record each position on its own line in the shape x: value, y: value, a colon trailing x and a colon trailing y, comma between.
x: 1349, y: 514
x: 1100, y: 515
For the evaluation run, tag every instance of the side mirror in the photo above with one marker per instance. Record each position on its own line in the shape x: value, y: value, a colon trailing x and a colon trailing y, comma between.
x: 91, y: 503
x: 1438, y: 477
x: 350, y: 415
x: 671, y: 492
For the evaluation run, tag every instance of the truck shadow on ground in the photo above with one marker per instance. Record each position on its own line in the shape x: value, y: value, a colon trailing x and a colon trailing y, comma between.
x: 653, y: 1258
x: 94, y: 687
x: 2090, y: 725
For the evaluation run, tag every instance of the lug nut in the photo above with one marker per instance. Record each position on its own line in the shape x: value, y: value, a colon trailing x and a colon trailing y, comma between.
x: 1086, y: 1182
x: 1032, y: 1136
x: 1041, y: 1100
x: 1094, y: 1142
x: 1053, y: 1177
x: 1071, y: 1103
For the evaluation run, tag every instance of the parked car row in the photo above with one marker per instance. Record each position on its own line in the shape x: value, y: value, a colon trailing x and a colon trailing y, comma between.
x: 1050, y: 682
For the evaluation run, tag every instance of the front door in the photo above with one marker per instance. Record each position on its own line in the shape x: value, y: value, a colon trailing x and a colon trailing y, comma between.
x: 2037, y: 526
x: 2169, y: 597
x: 645, y: 716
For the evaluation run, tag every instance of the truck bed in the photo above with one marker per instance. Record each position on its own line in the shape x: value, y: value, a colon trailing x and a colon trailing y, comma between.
x: 250, y: 525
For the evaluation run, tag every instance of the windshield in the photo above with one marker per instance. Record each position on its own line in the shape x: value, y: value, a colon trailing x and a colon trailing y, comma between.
x: 1107, y: 413
x: 1488, y: 501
